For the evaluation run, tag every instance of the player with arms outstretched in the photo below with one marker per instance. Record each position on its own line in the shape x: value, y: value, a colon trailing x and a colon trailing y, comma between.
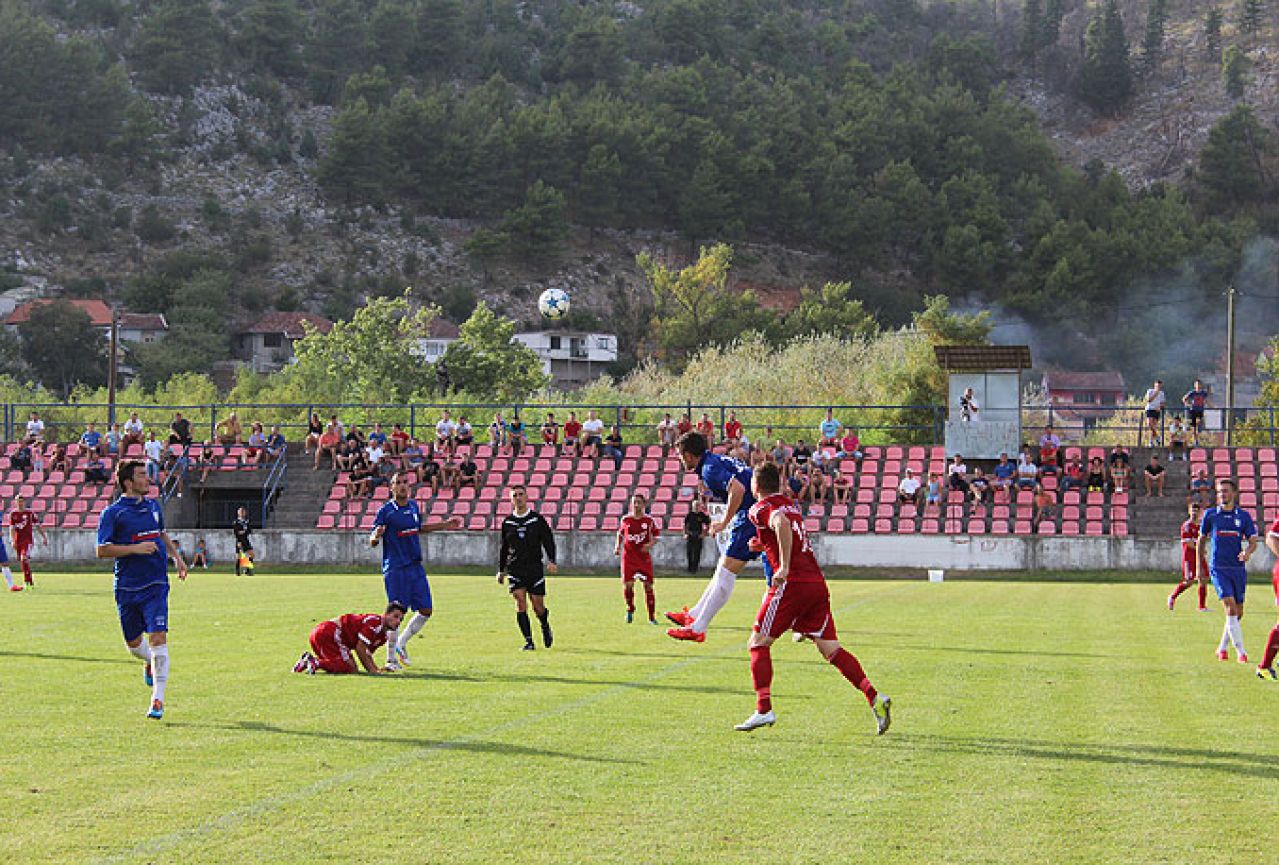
x: 797, y: 600
x: 335, y: 641
x: 1222, y: 534
x: 398, y: 525
x: 525, y: 536
x: 1193, y: 568
x: 1267, y: 666
x: 729, y: 481
x: 636, y: 537
x: 22, y: 526
x: 131, y: 531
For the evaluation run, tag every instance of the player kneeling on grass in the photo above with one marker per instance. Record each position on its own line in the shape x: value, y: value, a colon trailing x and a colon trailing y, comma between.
x: 334, y: 641
x: 796, y: 600
x: 1267, y: 666
x: 636, y: 537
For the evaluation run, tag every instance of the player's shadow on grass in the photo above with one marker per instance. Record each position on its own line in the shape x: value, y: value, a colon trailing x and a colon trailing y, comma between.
x: 1154, y: 756
x: 79, y: 659
x: 479, y: 747
x: 645, y: 685
x: 983, y: 650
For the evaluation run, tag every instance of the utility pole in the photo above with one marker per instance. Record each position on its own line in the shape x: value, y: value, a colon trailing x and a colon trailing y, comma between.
x: 111, y: 367
x: 1230, y: 364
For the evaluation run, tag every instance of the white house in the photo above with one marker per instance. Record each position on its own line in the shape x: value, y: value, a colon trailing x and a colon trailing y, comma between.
x: 442, y: 333
x: 571, y: 358
x: 142, y: 327
x: 267, y: 344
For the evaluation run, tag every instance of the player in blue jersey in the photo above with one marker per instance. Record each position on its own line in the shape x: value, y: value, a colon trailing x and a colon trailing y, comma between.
x: 398, y: 525
x: 729, y: 481
x: 131, y: 531
x: 1222, y: 534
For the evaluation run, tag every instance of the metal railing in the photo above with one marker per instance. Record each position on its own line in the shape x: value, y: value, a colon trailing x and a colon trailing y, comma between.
x: 274, y: 484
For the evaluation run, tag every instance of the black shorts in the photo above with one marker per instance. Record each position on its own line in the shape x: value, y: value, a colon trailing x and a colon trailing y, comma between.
x: 244, y: 546
x: 534, y: 585
x: 1153, y: 413
x: 1195, y: 416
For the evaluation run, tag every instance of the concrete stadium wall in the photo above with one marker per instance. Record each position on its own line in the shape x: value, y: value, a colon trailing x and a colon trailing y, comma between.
x: 594, y: 551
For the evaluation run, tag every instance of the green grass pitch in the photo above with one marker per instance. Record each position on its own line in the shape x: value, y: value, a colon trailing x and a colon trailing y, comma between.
x: 1034, y: 722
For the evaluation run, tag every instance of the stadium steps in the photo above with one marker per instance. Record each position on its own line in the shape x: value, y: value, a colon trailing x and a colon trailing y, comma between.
x: 302, y: 498
x: 1155, y: 518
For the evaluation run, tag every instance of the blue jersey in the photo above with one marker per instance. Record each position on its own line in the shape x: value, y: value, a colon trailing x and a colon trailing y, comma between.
x: 1226, y: 530
x: 717, y: 471
x: 131, y: 521
x: 400, y: 542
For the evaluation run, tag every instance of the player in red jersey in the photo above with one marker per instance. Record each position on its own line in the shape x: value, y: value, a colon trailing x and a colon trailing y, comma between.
x: 636, y: 536
x: 1267, y: 666
x: 797, y: 599
x: 334, y: 641
x: 1193, y: 568
x: 22, y: 526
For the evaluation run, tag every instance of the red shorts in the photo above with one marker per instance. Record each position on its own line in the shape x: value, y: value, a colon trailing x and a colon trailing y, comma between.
x: 632, y: 571
x: 800, y: 607
x: 1189, y: 571
x: 23, y: 551
x: 329, y: 651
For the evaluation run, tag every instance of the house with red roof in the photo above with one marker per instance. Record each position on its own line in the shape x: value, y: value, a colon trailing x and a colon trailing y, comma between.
x: 266, y: 345
x: 99, y: 313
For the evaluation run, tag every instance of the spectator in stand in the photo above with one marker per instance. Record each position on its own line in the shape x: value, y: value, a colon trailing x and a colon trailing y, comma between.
x: 432, y: 472
x: 800, y: 455
x: 800, y: 482
x: 154, y: 450
x: 957, y: 474
x: 229, y: 430
x: 412, y: 459
x: 1049, y: 448
x: 551, y: 430
x: 1027, y: 472
x: 497, y: 433
x: 968, y: 408
x: 91, y: 440
x: 58, y: 461
x: 818, y: 476
x: 732, y: 430
x: 1155, y: 400
x: 685, y: 425
x: 1004, y: 474
x: 35, y: 429
x: 398, y: 441
x: 781, y: 455
x: 114, y: 440
x: 275, y: 444
x: 1074, y: 476
x: 255, y: 447
x: 613, y: 446
x: 934, y: 489
x: 134, y: 433
x: 179, y: 430
x: 1195, y: 401
x: 1119, y: 456
x: 667, y: 433
x: 573, y: 434
x: 515, y: 435
x: 314, y: 429
x: 359, y: 481
x: 1097, y: 480
x: 374, y: 453
x: 21, y: 458
x: 831, y: 430
x: 980, y: 487
x: 1177, y: 440
x: 329, y: 443
x: 850, y: 446
x: 208, y: 457
x: 348, y: 454
x: 758, y: 458
x: 468, y: 473
x: 592, y: 435
x: 841, y: 487
x: 449, y: 471
x: 1201, y: 489
x: 1045, y: 507
x: 95, y: 470
x: 910, y: 491
x: 1120, y: 477
x: 379, y: 438
x: 1154, y: 476
x: 465, y: 436
x: 707, y: 428
x: 445, y: 433
x: 355, y: 437
x: 336, y: 424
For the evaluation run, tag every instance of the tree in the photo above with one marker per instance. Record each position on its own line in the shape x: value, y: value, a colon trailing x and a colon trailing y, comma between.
x: 392, y: 32
x: 197, y: 310
x: 598, y: 196
x: 1212, y: 32
x: 358, y: 163
x: 486, y: 362
x: 1252, y: 15
x: 1232, y: 164
x: 1234, y: 71
x: 831, y: 311
x: 272, y: 34
x: 692, y: 306
x: 336, y: 47
x: 537, y: 228
x: 1032, y: 29
x: 1152, y: 45
x: 1106, y: 77
x: 176, y: 46
x: 63, y: 348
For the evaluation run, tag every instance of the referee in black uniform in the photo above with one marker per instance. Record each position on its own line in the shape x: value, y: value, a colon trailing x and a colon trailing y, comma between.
x: 525, y: 534
x: 243, y: 538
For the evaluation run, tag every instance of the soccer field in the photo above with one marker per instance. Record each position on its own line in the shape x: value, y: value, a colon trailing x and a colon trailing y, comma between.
x: 1033, y: 722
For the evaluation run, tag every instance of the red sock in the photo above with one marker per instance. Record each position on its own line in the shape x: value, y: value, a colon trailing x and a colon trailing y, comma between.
x: 628, y: 589
x: 762, y: 677
x: 1181, y: 587
x: 1203, y: 596
x: 1272, y: 647
x: 847, y: 664
x: 651, y: 600
x: 26, y: 572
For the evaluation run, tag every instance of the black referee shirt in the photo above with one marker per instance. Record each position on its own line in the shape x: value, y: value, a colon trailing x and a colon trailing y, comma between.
x: 523, y: 540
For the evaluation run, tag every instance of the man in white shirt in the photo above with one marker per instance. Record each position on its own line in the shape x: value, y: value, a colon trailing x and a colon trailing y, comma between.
x: 445, y: 431
x: 155, y: 457
x: 1155, y: 400
x: 667, y: 432
x: 133, y: 433
x: 908, y: 489
x: 375, y: 454
x: 592, y: 435
x: 35, y: 428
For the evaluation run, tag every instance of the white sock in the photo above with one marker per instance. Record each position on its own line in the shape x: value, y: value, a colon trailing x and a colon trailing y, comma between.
x: 713, y: 599
x: 141, y: 651
x: 8, y: 576
x: 1236, y: 633
x: 392, y: 640
x: 159, y: 671
x: 1225, y: 637
x: 410, y: 631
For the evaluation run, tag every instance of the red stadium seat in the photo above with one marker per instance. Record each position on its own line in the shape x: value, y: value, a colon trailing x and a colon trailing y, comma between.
x: 835, y: 526
x: 587, y: 524
x: 906, y: 526
x: 999, y: 527
x: 976, y: 527
x: 477, y: 524
x: 928, y: 527
x: 859, y: 527
x: 1021, y: 527
x: 325, y: 521
x: 883, y: 527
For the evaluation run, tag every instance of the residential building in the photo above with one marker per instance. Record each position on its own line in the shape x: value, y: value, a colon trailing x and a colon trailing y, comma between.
x: 571, y: 358
x: 266, y: 345
x: 139, y: 327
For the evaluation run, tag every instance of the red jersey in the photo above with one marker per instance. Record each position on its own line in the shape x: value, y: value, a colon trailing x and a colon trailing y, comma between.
x: 1274, y: 533
x: 684, y: 426
x: 635, y: 533
x: 572, y: 429
x: 363, y: 628
x: 733, y: 429
x: 1189, y: 540
x: 23, y: 523
x: 803, y: 564
x: 706, y: 428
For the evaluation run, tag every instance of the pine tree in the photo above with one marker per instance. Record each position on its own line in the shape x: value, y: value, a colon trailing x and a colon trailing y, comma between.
x: 1234, y: 71
x: 1106, y: 80
x: 1152, y: 46
x: 1032, y: 29
x: 1251, y: 16
x: 358, y: 164
x: 1212, y: 32
x: 1054, y: 11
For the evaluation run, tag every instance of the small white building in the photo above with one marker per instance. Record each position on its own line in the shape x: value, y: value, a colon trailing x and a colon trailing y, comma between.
x: 571, y: 358
x: 267, y: 344
x: 432, y: 347
x: 142, y: 327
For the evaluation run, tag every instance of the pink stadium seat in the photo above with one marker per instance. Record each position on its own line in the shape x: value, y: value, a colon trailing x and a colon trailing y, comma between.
x: 812, y: 524
x: 859, y: 527
x: 999, y: 527
x: 72, y: 521
x: 1021, y: 527
x: 592, y: 509
x: 906, y: 526
x: 861, y: 511
x: 597, y: 494
x: 1119, y: 530
x: 928, y: 527
x: 835, y: 526
x: 588, y: 524
x: 1093, y: 530
x: 482, y: 509
x: 325, y: 521
x: 865, y: 497
x: 883, y: 527
x: 477, y: 524
x: 1247, y: 470
x: 976, y: 527
x: 1266, y: 455
x: 1047, y: 527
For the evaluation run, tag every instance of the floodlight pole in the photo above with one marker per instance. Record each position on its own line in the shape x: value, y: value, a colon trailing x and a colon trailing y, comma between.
x: 1230, y: 364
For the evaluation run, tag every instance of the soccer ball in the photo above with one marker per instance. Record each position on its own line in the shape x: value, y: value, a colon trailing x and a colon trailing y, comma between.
x: 553, y: 303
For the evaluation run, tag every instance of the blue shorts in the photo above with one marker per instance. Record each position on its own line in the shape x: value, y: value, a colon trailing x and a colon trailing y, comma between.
x: 408, y: 586
x: 1229, y: 582
x: 144, y: 611
x: 739, y: 545
x: 4, y: 554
